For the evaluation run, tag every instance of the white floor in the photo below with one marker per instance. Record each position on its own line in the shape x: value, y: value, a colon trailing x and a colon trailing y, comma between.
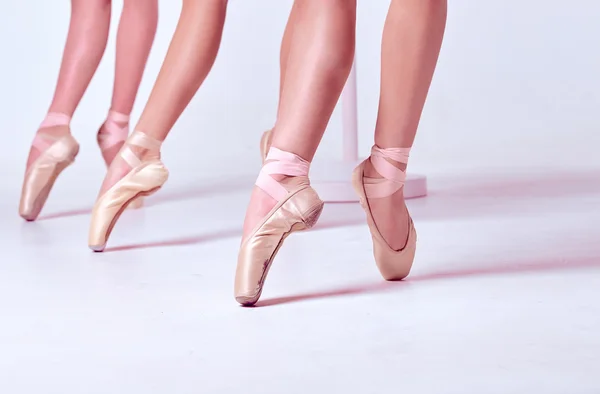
x: 503, y: 298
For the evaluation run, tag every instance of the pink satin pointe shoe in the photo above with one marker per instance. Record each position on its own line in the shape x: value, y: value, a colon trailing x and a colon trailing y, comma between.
x: 265, y: 144
x: 298, y: 208
x: 393, y: 264
x: 111, y: 137
x: 55, y: 154
x: 145, y: 178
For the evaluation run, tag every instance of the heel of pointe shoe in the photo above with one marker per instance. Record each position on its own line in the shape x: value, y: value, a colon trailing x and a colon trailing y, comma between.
x: 357, y: 180
x: 265, y: 143
x: 312, y: 216
x: 310, y: 207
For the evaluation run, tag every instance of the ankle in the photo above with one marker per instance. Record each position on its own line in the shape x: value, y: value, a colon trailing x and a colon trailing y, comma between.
x: 145, y: 154
x: 385, y: 159
x: 143, y: 147
x: 55, y: 119
x: 116, y: 123
x: 282, y: 172
x: 117, y: 117
x: 54, y: 130
x: 55, y: 123
x: 150, y: 155
x: 371, y: 171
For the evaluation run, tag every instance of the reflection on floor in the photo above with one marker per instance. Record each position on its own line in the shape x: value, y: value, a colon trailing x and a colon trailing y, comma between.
x: 503, y: 297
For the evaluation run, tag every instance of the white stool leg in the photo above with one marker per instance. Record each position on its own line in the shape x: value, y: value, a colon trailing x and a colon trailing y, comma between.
x: 350, y: 118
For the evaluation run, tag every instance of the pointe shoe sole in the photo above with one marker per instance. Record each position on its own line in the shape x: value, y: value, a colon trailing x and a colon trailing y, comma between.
x: 100, y: 248
x: 311, y: 219
x: 40, y: 200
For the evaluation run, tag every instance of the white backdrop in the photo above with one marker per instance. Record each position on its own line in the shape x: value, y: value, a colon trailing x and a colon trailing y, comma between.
x: 517, y: 87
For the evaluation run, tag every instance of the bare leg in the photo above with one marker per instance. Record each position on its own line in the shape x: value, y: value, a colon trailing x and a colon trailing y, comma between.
x: 190, y: 57
x: 411, y: 44
x: 321, y: 53
x: 284, y: 54
x: 137, y: 29
x: 86, y: 41
x: 135, y: 36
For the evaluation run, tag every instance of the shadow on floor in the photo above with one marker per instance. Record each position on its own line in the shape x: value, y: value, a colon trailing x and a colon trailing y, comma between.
x: 206, y: 190
x: 467, y: 195
x: 178, y: 241
x: 224, y: 234
x: 494, y: 194
x: 382, y: 286
x: 65, y: 214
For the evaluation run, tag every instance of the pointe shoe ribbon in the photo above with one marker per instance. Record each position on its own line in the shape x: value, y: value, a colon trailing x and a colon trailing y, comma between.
x: 112, y: 133
x: 393, y: 178
x: 392, y: 264
x: 279, y: 162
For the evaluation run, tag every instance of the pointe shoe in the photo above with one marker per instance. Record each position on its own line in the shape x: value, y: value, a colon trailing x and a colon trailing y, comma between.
x: 265, y: 144
x: 144, y: 178
x: 112, y: 136
x: 57, y: 153
x: 298, y: 208
x: 392, y: 264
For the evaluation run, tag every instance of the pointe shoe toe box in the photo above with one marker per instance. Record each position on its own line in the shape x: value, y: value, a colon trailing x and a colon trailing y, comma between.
x: 41, y: 175
x: 395, y: 265
x: 141, y: 181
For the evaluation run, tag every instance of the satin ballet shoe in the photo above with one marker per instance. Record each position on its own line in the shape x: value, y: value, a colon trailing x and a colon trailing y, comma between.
x: 56, y: 154
x: 392, y: 264
x: 145, y: 178
x: 265, y: 144
x: 298, y: 208
x: 111, y: 136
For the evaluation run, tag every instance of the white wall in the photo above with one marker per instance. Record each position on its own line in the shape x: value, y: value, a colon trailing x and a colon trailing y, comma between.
x: 517, y: 86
